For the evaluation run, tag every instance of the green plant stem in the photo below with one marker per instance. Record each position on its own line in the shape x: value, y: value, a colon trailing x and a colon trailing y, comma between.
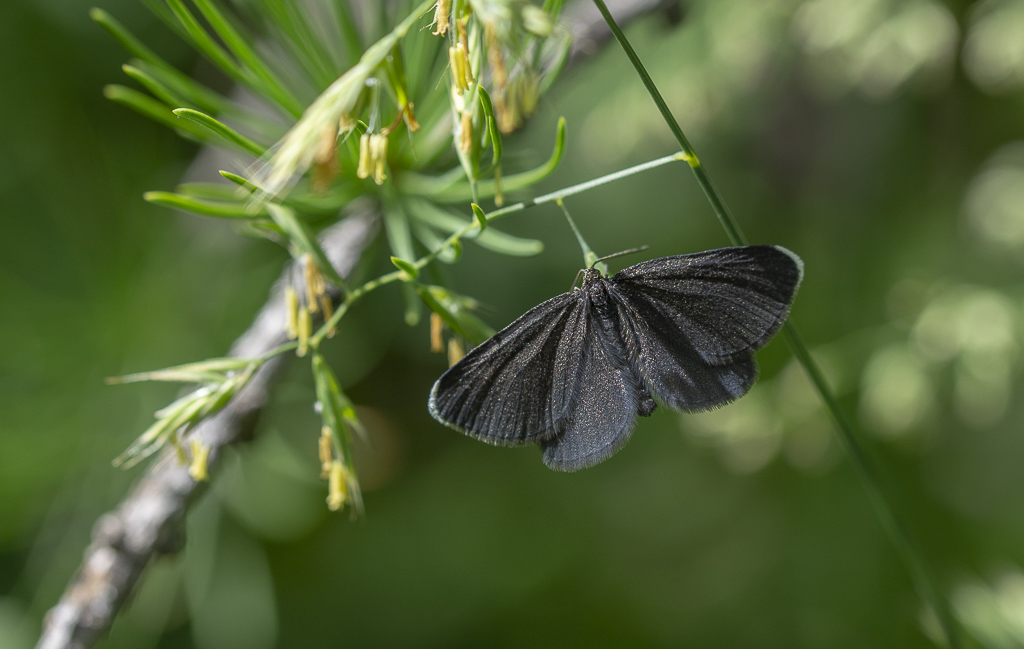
x: 355, y: 294
x: 900, y: 537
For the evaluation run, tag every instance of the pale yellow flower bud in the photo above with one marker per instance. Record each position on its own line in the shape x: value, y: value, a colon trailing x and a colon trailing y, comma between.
x: 466, y: 133
x: 455, y: 351
x: 326, y: 452
x: 337, y: 488
x: 200, y: 459
x: 462, y: 73
x: 441, y: 14
x: 436, y: 342
x: 365, y: 166
x: 291, y: 325
x: 305, y: 328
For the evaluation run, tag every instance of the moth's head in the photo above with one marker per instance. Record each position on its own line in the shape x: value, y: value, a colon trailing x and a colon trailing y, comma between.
x: 589, y: 275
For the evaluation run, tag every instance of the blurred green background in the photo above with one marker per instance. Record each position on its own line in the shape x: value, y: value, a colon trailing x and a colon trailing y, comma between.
x: 882, y: 140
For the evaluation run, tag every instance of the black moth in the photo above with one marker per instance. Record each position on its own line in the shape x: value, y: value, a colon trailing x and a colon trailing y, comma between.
x: 573, y: 373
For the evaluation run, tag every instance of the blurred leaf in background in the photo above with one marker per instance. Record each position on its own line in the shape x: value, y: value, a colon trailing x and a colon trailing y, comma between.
x: 880, y: 139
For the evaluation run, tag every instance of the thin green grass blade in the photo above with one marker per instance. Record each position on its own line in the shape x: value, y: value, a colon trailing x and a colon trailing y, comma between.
x: 915, y: 562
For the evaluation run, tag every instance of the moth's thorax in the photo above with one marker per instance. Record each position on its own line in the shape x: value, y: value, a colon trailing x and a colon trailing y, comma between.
x: 595, y: 286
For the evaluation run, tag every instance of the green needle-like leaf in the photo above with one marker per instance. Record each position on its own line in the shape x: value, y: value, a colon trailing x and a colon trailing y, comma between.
x: 492, y: 126
x: 218, y: 209
x: 406, y: 267
x: 221, y: 131
x: 481, y: 218
x: 159, y: 90
x: 244, y: 53
x: 214, y: 367
x: 300, y: 236
x: 419, y: 185
x: 153, y: 109
x: 213, y: 51
x: 491, y: 239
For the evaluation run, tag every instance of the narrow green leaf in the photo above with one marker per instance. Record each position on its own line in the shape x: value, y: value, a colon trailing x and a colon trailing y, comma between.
x: 432, y: 241
x: 414, y: 184
x: 244, y: 183
x: 212, y: 366
x: 153, y: 109
x: 556, y: 66
x: 335, y: 406
x: 491, y: 239
x: 481, y: 218
x: 242, y: 51
x: 294, y: 153
x: 300, y: 236
x: 226, y: 391
x: 204, y: 41
x: 219, y: 209
x: 178, y: 83
x: 454, y: 313
x: 396, y: 226
x: 210, y: 102
x: 223, y: 133
x: 212, y: 191
x: 126, y: 38
x: 159, y: 90
x: 213, y: 51
x: 302, y: 42
x: 326, y: 205
x: 412, y: 305
x: 492, y: 126
x: 411, y: 271
x: 349, y: 31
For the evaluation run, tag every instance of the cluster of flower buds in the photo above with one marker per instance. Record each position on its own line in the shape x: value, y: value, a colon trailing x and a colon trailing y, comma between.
x: 456, y: 350
x: 373, y: 156
x: 299, y: 311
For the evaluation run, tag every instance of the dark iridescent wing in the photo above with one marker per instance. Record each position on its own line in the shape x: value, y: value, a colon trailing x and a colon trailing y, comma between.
x: 519, y: 385
x: 722, y: 303
x: 691, y: 323
x: 606, y: 406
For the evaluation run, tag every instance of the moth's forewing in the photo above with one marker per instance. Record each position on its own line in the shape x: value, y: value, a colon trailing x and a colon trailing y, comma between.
x: 721, y: 303
x: 518, y: 386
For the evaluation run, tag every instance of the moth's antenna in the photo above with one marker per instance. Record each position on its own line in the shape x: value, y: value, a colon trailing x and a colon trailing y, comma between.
x: 578, y: 273
x: 588, y: 254
x: 619, y: 254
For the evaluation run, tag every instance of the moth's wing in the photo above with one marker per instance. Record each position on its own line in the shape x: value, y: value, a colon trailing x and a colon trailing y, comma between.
x: 673, y: 371
x: 519, y: 385
x: 722, y: 303
x: 606, y: 405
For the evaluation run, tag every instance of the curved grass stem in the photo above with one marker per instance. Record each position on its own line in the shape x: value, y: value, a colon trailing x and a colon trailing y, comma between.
x: 911, y: 555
